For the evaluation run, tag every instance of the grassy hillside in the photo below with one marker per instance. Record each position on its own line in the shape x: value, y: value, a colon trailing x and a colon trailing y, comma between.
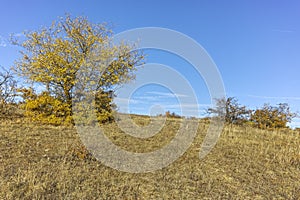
x: 42, y: 161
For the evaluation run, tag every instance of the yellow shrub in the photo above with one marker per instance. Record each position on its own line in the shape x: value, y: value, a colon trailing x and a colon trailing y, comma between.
x: 45, y: 108
x: 48, y: 109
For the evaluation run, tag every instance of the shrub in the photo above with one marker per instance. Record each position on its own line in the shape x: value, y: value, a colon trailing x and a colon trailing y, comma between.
x: 45, y: 108
x: 272, y: 116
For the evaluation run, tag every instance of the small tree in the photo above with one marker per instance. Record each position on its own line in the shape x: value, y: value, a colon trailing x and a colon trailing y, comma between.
x: 272, y: 116
x: 54, y: 57
x: 7, y: 90
x: 231, y: 110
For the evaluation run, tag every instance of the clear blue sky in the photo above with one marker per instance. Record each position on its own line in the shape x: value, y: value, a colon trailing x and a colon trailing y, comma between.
x: 255, y: 44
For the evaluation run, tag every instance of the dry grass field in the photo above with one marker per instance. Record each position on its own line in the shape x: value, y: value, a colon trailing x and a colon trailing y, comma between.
x: 50, y: 162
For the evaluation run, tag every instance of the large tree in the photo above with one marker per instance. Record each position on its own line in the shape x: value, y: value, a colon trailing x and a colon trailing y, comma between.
x: 54, y: 55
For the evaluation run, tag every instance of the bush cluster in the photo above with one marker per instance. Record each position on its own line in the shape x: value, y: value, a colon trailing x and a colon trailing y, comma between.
x: 266, y: 117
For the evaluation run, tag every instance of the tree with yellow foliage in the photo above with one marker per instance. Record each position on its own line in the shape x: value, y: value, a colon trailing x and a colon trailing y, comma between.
x: 272, y: 116
x: 55, y: 55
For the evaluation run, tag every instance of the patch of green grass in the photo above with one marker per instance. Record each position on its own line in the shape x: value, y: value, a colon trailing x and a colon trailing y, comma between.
x: 43, y: 161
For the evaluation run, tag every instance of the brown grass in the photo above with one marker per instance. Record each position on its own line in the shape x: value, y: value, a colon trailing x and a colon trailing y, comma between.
x: 48, y: 162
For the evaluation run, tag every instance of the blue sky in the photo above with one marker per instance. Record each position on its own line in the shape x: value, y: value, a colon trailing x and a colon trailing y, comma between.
x: 255, y: 44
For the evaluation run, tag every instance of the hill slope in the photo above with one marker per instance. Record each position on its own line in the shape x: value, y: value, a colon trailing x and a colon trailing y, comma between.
x: 42, y: 161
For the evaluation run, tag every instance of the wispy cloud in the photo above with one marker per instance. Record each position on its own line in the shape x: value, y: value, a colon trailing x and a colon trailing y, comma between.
x: 138, y: 99
x: 187, y: 105
x: 3, y: 41
x: 18, y: 34
x: 283, y: 30
x: 119, y: 100
x: 160, y: 97
x: 189, y: 109
x: 272, y: 97
x: 167, y: 94
x: 147, y: 98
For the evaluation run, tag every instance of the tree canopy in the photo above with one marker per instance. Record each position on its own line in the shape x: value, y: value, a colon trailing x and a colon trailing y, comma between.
x: 54, y: 55
x: 272, y: 116
x: 231, y: 110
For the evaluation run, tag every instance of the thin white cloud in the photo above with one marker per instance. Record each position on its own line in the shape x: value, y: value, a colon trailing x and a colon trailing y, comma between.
x: 272, y: 97
x: 283, y: 30
x: 139, y: 99
x: 18, y: 34
x: 157, y: 96
x: 167, y: 94
x: 187, y: 109
x: 148, y: 98
x: 119, y: 100
x: 191, y: 106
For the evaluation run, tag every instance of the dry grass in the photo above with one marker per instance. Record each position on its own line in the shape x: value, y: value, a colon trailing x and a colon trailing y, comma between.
x: 48, y: 162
